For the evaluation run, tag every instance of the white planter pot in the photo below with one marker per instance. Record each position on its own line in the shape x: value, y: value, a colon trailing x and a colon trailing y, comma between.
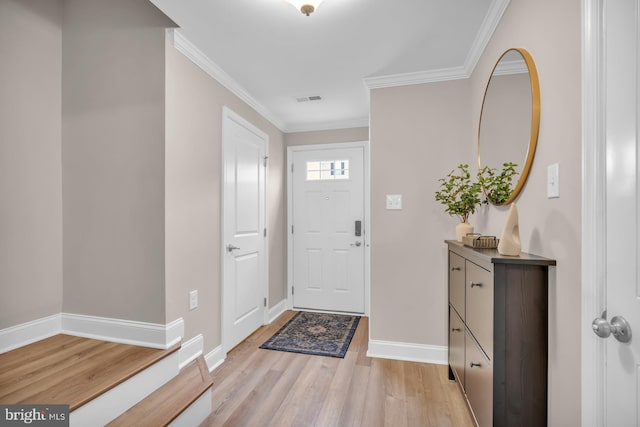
x: 463, y: 229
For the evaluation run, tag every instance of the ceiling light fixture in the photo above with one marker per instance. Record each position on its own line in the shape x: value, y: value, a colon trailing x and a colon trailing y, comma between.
x: 307, y: 7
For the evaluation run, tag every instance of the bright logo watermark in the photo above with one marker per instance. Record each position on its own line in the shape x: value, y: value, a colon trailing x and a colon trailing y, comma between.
x: 34, y: 415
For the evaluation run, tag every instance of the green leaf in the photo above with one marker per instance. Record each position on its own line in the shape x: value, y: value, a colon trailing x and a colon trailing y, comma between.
x: 459, y: 194
x: 498, y: 185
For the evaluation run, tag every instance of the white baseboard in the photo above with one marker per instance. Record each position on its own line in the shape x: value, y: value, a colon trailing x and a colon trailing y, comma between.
x: 29, y: 332
x: 123, y: 331
x: 190, y: 350
x: 174, y: 331
x: 215, y: 358
x: 277, y: 310
x: 144, y: 334
x: 195, y: 414
x: 408, y: 351
x: 116, y: 401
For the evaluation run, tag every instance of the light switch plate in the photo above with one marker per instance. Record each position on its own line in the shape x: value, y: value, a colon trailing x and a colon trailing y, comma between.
x: 553, y: 181
x: 394, y: 201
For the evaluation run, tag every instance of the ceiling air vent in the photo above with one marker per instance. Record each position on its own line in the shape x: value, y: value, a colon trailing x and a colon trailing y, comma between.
x: 308, y: 98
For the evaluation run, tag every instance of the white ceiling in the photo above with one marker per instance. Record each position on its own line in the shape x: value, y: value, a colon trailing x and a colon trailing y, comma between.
x: 269, y: 53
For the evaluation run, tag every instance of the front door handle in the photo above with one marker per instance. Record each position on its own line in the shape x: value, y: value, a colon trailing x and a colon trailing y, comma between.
x: 618, y: 326
x: 231, y: 248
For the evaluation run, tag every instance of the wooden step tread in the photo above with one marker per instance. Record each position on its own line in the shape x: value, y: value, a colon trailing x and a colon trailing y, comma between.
x: 162, y: 406
x: 70, y: 370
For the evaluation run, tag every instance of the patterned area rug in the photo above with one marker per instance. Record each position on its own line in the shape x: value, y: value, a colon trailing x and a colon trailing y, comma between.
x: 319, y: 334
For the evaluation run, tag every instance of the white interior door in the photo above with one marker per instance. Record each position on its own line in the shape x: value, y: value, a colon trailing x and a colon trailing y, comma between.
x: 328, y: 229
x: 622, y: 360
x: 244, y: 233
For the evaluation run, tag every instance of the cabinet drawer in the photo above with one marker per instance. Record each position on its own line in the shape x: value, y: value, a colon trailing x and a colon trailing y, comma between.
x: 456, y: 283
x: 479, y: 383
x: 456, y: 346
x: 479, y: 305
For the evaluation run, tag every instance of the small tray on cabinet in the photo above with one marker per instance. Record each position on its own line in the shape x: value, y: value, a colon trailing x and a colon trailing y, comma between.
x: 481, y: 242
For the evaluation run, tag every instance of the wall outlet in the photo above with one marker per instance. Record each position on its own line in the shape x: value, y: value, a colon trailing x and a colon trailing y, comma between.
x: 193, y: 300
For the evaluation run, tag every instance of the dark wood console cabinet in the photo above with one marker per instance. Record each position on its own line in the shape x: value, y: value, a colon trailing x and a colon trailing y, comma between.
x: 498, y: 334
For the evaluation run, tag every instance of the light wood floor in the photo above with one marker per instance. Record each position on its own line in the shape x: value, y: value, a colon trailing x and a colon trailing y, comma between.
x: 70, y: 370
x: 256, y: 387
x: 162, y: 406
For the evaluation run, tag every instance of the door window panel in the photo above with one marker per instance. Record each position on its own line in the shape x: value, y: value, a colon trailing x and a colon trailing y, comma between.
x: 327, y: 170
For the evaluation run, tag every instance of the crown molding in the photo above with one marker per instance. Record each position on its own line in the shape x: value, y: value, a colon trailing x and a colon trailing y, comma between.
x: 505, y: 68
x: 188, y: 49
x: 489, y: 25
x: 419, y: 77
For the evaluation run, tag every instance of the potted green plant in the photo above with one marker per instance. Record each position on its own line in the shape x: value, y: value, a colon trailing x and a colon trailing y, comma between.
x: 461, y: 197
x: 498, y: 184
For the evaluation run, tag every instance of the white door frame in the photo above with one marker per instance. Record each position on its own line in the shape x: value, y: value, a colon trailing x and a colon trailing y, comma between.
x: 228, y: 114
x: 367, y: 214
x: 593, y: 211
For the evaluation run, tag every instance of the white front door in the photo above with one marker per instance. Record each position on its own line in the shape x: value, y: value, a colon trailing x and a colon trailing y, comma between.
x: 622, y: 381
x: 328, y: 229
x: 244, y: 234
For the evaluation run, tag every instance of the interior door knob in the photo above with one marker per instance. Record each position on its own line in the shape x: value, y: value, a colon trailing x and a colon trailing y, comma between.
x: 618, y: 326
x: 231, y: 248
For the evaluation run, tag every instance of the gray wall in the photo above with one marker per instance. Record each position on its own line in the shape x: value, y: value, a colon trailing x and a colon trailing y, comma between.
x: 551, y: 32
x: 416, y: 138
x: 30, y: 160
x: 114, y: 173
x: 327, y: 136
x: 113, y: 159
x: 86, y: 110
x: 193, y: 196
x: 418, y: 134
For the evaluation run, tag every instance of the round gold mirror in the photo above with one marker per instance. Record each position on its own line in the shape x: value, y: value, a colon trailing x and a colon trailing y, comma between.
x: 509, y: 124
